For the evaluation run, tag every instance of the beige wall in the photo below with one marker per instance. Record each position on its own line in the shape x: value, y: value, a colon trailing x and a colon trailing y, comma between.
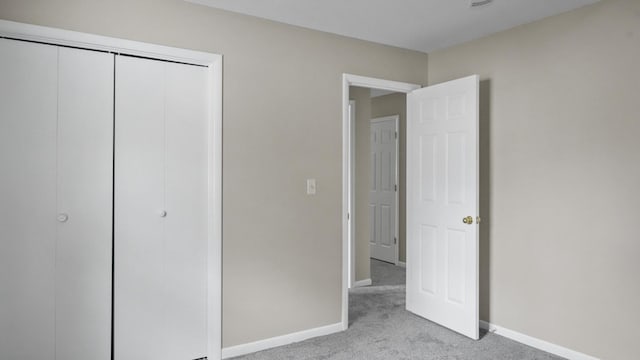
x: 362, y: 97
x: 560, y: 155
x: 396, y: 104
x: 282, y: 249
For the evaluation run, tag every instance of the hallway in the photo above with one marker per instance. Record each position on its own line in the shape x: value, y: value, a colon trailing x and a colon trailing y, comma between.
x: 384, y: 273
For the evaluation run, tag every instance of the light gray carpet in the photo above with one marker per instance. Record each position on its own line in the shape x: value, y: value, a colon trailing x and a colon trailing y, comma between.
x: 384, y: 273
x: 380, y: 328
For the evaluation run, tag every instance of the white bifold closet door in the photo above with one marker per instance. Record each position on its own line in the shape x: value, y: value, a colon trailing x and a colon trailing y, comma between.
x: 160, y: 224
x: 56, y: 146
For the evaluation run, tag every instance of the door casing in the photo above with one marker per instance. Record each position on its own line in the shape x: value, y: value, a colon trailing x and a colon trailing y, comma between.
x: 348, y: 255
x: 351, y: 196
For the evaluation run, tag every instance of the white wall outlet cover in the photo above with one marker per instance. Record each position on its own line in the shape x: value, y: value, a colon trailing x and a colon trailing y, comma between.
x: 311, y: 186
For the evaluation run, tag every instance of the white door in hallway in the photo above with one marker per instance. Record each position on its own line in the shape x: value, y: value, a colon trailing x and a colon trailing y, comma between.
x: 383, y: 192
x: 442, y: 204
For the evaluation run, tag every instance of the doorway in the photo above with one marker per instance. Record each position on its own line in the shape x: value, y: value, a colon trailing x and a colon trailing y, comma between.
x: 350, y: 178
x: 442, y: 156
x: 377, y: 195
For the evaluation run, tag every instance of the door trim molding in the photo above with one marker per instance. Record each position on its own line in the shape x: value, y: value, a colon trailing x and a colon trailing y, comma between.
x: 22, y: 31
x: 534, y: 342
x: 396, y: 230
x: 351, y: 196
x: 42, y: 34
x: 363, y: 81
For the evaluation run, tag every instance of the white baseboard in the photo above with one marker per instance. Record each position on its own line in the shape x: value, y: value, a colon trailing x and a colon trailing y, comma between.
x: 535, y: 343
x: 361, y: 283
x: 260, y: 345
x: 402, y: 264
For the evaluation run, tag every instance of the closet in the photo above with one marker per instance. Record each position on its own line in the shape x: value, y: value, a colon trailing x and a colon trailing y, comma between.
x: 103, y: 205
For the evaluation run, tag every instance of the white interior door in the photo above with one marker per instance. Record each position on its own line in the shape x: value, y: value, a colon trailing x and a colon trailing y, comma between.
x: 161, y: 210
x: 442, y: 204
x: 383, y: 193
x: 56, y: 120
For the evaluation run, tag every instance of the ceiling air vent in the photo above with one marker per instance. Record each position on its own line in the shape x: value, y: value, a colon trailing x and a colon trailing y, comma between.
x: 479, y: 3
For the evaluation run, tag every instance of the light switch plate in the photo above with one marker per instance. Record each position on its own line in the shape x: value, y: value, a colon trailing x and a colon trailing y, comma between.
x: 311, y: 186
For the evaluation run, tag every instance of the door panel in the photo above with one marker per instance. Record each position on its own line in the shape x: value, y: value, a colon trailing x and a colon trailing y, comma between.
x: 442, y: 189
x: 386, y: 225
x: 383, y: 201
x: 56, y: 106
x: 427, y: 158
x: 428, y: 252
x: 85, y: 172
x: 456, y: 265
x: 456, y: 168
x: 139, y: 273
x: 186, y: 205
x: 161, y: 210
x: 28, y: 108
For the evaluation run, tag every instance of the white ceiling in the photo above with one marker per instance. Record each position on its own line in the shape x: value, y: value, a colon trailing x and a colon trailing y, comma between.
x: 423, y: 25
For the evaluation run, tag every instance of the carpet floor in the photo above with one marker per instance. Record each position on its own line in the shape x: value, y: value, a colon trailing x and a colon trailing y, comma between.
x: 384, y: 273
x: 380, y: 328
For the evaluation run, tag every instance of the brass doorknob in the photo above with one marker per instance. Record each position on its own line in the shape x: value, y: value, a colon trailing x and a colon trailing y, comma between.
x: 468, y: 220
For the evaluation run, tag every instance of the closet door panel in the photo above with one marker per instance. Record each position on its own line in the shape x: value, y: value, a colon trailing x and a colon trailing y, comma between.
x: 28, y: 74
x: 139, y: 202
x: 85, y: 163
x: 186, y: 203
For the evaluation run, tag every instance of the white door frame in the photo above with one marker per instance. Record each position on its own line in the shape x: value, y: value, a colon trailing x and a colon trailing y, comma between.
x: 348, y: 260
x: 351, y: 196
x: 213, y: 62
x: 396, y: 176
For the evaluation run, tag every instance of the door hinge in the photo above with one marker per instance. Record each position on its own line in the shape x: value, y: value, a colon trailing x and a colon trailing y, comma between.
x: 348, y: 216
x: 395, y: 187
x: 395, y: 241
x: 396, y: 134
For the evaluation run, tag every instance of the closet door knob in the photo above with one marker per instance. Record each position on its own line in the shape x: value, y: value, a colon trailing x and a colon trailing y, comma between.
x: 62, y: 217
x: 162, y: 213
